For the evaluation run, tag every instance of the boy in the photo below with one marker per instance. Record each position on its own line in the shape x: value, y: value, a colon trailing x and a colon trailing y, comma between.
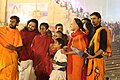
x: 59, y: 62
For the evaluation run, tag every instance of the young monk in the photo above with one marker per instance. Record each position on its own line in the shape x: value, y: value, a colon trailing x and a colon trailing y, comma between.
x: 59, y: 61
x: 10, y: 43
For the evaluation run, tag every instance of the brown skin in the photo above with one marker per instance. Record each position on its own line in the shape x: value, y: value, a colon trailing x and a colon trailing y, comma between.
x: 43, y: 30
x: 57, y: 46
x: 74, y: 27
x: 59, y: 28
x: 31, y: 26
x: 95, y: 20
x: 13, y: 23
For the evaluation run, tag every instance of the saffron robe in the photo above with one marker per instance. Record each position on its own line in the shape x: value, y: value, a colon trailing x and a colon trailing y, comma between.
x: 8, y: 58
x: 40, y: 46
x: 96, y: 66
x: 75, y: 62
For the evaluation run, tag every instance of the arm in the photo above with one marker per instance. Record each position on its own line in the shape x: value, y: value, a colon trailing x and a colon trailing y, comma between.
x: 103, y: 44
x: 64, y: 51
x: 70, y: 52
x: 11, y: 47
x: 96, y: 54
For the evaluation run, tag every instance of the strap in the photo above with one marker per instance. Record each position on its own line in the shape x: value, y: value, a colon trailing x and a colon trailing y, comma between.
x: 91, y: 69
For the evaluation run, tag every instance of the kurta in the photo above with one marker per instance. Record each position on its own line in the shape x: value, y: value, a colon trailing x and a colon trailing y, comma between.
x: 8, y: 58
x: 41, y: 61
x: 27, y: 37
x: 26, y: 70
x: 75, y: 62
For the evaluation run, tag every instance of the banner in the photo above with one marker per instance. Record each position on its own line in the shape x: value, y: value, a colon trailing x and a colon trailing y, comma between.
x: 28, y: 11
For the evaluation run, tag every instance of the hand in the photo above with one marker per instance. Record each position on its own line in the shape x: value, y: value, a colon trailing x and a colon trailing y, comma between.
x: 90, y: 57
x: 85, y: 51
x: 53, y: 61
x: 11, y: 47
x: 51, y: 46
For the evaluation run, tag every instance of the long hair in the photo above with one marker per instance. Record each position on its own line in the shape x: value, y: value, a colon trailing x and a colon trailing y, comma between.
x: 79, y: 23
x: 35, y: 21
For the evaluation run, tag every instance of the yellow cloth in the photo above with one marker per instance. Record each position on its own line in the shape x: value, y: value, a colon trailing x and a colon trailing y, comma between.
x: 96, y: 39
x: 97, y: 64
x: 8, y: 58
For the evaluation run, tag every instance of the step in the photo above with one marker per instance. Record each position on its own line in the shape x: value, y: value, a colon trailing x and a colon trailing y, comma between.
x: 113, y: 68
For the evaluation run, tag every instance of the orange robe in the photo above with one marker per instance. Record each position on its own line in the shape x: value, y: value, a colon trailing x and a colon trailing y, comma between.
x: 96, y: 66
x: 8, y: 58
x: 75, y: 62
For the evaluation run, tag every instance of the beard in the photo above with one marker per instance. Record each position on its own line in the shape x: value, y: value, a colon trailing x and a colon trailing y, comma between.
x: 12, y: 26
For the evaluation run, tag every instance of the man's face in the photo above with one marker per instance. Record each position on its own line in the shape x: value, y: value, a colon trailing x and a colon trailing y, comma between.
x: 60, y: 28
x: 31, y: 26
x: 95, y: 20
x: 13, y: 23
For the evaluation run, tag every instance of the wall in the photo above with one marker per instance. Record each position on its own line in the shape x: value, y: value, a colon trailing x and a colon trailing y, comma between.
x: 109, y: 10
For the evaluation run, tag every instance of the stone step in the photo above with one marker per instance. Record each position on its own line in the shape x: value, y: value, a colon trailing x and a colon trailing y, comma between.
x: 112, y: 63
x: 113, y: 68
x: 113, y: 58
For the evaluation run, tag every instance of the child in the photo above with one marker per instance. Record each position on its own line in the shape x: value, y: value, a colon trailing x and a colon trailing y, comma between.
x: 59, y: 62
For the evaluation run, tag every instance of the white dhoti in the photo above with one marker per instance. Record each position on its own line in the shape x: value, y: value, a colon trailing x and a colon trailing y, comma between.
x: 26, y: 70
x: 58, y: 75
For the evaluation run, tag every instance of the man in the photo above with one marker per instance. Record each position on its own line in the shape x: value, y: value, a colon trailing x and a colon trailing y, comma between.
x: 59, y: 27
x: 99, y: 44
x: 40, y: 46
x: 26, y: 57
x: 10, y: 43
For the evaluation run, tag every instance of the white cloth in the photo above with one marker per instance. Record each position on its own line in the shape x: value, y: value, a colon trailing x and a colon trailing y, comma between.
x: 57, y: 74
x: 26, y: 70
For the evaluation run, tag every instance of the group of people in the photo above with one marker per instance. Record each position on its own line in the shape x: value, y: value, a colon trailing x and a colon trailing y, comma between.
x: 43, y: 56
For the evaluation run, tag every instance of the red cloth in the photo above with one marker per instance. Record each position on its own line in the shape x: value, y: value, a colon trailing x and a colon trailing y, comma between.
x: 41, y: 61
x: 27, y: 37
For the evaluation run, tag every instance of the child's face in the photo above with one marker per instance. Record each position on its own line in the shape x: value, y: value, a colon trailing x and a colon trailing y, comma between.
x: 57, y: 45
x: 58, y: 35
x: 43, y: 29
